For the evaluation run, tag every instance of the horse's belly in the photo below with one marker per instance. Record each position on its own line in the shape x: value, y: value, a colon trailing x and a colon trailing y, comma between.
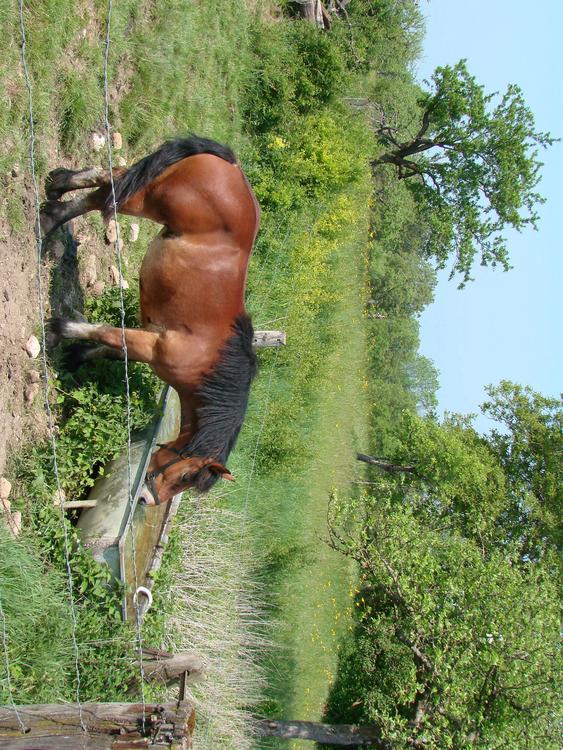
x: 186, y: 284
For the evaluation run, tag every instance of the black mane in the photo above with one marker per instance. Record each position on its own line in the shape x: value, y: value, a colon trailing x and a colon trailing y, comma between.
x: 224, y: 399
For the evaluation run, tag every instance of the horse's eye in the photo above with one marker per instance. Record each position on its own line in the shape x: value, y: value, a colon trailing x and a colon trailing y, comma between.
x: 185, y: 478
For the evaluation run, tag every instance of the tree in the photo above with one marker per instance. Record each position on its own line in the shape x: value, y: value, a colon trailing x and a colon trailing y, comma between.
x: 456, y: 543
x: 455, y: 643
x: 472, y: 167
x: 529, y: 446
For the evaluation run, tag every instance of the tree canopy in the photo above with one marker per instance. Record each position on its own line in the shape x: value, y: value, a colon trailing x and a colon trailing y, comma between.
x: 456, y: 542
x: 472, y: 165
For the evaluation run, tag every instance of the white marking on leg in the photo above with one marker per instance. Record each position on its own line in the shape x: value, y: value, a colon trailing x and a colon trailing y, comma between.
x: 75, y: 330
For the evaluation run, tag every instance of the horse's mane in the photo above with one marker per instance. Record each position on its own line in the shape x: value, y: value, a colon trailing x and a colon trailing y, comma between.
x: 223, y: 396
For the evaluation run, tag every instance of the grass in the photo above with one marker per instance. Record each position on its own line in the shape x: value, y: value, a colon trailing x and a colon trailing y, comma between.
x: 177, y: 67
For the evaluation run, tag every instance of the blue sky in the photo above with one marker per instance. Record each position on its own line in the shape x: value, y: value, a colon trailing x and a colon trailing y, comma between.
x: 504, y: 325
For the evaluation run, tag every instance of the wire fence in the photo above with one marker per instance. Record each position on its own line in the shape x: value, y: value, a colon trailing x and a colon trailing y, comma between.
x: 45, y: 373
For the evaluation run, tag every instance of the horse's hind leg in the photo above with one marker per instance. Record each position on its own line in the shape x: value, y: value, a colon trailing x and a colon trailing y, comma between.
x: 61, y: 181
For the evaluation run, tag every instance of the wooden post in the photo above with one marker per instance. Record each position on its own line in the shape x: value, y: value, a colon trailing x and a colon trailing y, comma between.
x: 161, y: 666
x: 349, y: 735
x: 109, y: 726
x: 268, y: 338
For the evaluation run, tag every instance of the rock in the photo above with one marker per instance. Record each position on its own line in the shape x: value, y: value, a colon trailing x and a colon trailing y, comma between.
x: 34, y: 376
x: 31, y: 392
x: 117, y: 140
x: 117, y: 278
x: 90, y: 274
x: 121, y: 162
x: 32, y: 347
x: 57, y: 249
x: 5, y: 505
x: 15, y: 170
x: 97, y: 289
x: 112, y: 231
x: 59, y: 497
x: 5, y: 488
x: 133, y: 232
x: 15, y: 522
x: 97, y: 141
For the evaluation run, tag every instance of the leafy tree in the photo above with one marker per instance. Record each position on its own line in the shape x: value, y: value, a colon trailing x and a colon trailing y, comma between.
x: 456, y: 643
x: 529, y: 446
x: 455, y: 646
x: 472, y: 166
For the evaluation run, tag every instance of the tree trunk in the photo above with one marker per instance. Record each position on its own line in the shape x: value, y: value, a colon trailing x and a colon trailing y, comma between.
x: 314, y: 12
x: 330, y: 734
x: 386, y: 465
x: 109, y: 726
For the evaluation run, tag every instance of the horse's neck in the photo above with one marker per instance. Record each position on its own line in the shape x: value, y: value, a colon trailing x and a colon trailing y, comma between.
x: 188, y: 417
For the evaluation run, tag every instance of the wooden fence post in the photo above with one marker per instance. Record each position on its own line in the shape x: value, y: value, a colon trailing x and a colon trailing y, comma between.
x: 268, y: 338
x: 109, y: 726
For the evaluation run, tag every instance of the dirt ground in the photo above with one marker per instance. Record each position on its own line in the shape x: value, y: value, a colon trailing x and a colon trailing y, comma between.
x: 74, y: 259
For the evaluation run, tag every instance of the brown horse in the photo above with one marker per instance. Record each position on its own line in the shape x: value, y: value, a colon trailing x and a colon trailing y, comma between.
x: 196, y: 335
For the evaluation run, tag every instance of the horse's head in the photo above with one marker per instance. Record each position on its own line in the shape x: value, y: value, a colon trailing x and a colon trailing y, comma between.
x: 171, y: 472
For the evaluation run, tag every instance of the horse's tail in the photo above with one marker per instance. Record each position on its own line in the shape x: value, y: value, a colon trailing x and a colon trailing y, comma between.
x: 145, y: 171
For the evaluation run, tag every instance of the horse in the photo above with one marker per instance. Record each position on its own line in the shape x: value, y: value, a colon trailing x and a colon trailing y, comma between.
x: 196, y: 334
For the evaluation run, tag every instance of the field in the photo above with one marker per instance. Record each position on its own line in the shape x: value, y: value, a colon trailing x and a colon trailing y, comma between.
x: 175, y: 68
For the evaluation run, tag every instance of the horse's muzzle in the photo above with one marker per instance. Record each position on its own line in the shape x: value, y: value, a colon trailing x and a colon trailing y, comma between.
x: 146, y: 497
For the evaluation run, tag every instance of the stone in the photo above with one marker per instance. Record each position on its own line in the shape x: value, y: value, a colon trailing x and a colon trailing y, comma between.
x: 31, y: 392
x: 5, y: 505
x: 90, y: 274
x: 5, y: 488
x: 117, y: 278
x: 57, y: 249
x: 59, y: 497
x: 97, y: 289
x: 134, y: 232
x: 32, y: 347
x: 15, y: 522
x: 121, y: 162
x: 112, y: 231
x: 97, y: 141
x: 34, y: 376
x: 117, y: 140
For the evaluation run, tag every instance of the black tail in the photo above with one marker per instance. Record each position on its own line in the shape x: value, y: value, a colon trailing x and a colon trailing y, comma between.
x: 145, y: 171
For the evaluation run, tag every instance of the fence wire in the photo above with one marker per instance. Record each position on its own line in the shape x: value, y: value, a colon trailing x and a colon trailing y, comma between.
x: 117, y: 245
x: 45, y: 374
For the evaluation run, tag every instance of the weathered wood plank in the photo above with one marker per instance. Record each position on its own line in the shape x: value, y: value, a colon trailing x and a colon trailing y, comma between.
x: 109, y: 726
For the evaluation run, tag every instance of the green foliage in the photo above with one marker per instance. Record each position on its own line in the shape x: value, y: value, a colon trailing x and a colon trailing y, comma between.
x: 529, y: 445
x: 457, y: 629
x: 456, y: 643
x: 297, y: 71
x: 472, y: 167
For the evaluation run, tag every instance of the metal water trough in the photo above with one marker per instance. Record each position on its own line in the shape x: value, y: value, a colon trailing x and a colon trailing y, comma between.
x: 126, y: 535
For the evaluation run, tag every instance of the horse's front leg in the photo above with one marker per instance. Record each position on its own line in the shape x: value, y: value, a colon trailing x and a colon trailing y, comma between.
x: 140, y: 343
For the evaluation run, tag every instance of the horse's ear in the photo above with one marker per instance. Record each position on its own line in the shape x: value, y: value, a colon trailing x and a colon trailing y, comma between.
x: 218, y: 468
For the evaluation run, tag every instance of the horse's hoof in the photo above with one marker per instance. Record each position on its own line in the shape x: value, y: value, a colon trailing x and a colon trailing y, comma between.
x: 58, y: 328
x: 74, y: 356
x: 56, y: 183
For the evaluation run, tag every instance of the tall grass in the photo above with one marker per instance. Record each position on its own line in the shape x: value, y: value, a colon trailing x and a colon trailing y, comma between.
x: 36, y: 624
x: 219, y: 613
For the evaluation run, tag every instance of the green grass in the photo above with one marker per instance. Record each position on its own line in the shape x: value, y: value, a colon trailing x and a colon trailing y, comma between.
x: 178, y: 67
